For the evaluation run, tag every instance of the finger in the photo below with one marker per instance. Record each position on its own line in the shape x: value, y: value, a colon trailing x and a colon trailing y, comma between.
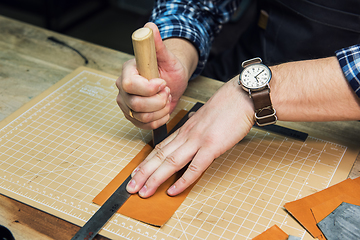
x: 141, y: 86
x: 162, y: 53
x: 171, y: 164
x: 198, y: 165
x: 159, y: 44
x: 155, y: 123
x: 153, y: 160
x: 147, y: 104
x: 191, y: 114
x: 149, y: 126
x: 132, y: 83
x: 157, y: 148
x: 141, y: 174
x: 149, y: 117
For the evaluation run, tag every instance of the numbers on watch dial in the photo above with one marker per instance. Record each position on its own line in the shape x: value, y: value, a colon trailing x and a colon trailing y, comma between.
x: 255, y: 76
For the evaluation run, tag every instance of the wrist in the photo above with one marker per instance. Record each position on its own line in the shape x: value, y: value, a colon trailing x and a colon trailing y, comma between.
x: 254, y: 79
x: 243, y: 102
x: 185, y: 52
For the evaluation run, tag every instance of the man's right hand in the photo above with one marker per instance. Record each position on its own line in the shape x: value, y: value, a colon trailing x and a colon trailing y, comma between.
x: 147, y: 103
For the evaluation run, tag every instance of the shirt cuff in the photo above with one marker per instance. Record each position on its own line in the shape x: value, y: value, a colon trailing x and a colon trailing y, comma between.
x: 177, y: 26
x: 349, y: 59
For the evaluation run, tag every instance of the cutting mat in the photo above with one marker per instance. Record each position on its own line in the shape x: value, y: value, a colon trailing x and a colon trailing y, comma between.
x: 60, y: 150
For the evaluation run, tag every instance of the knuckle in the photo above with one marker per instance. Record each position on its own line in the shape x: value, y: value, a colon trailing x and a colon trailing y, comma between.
x: 193, y: 168
x: 142, y: 171
x: 126, y: 84
x: 171, y: 161
x: 182, y: 180
x: 159, y: 152
x: 153, y: 182
x: 153, y: 125
x: 146, y: 117
x: 134, y: 103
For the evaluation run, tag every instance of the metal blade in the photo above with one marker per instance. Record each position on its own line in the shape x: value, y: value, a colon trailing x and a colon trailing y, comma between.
x: 159, y: 134
x: 105, y: 212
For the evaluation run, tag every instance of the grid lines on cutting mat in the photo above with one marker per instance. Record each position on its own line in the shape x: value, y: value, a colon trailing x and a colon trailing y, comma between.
x: 51, y: 139
x: 58, y: 154
x: 267, y: 187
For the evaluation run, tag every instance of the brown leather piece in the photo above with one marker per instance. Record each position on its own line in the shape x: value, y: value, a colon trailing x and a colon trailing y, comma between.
x: 303, y: 209
x: 273, y: 233
x: 322, y: 210
x: 157, y: 209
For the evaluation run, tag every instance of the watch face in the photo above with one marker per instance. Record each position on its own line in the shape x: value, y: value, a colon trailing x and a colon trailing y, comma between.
x: 255, y: 76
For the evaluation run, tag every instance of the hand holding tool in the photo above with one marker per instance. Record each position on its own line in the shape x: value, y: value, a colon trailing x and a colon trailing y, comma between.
x: 146, y: 62
x: 145, y: 55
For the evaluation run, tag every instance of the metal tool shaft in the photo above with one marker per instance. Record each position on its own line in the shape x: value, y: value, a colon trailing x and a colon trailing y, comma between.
x: 104, y: 213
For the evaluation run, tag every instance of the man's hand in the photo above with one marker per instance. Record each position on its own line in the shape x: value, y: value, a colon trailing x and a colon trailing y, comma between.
x: 223, y: 121
x: 147, y: 103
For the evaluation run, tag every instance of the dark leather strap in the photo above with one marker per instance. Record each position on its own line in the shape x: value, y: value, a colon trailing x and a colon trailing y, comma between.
x: 265, y: 114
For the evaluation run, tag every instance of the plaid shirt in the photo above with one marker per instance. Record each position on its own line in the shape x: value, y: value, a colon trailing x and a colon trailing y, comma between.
x: 200, y: 21
x: 349, y: 59
x: 197, y: 21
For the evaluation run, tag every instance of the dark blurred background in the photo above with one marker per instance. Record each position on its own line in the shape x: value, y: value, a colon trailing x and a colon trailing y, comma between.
x: 109, y: 23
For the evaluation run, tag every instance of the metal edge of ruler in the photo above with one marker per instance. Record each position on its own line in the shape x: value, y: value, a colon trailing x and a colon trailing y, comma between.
x: 287, y: 132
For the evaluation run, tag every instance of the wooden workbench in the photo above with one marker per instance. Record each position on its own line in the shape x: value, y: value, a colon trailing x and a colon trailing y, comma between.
x: 30, y: 63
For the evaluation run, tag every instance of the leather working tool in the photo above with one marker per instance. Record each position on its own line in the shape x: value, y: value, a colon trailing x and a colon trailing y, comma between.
x: 145, y: 55
x: 146, y: 62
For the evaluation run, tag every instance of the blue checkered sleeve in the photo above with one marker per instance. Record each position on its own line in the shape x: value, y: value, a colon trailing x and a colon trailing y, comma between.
x: 198, y: 21
x: 349, y: 59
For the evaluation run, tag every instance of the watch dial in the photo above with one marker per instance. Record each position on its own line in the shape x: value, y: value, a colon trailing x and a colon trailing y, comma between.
x: 255, y: 76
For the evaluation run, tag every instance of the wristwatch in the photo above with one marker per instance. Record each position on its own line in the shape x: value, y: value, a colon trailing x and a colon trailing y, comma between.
x: 255, y: 78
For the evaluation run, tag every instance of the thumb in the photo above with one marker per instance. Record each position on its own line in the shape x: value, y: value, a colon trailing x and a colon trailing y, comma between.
x: 161, y: 50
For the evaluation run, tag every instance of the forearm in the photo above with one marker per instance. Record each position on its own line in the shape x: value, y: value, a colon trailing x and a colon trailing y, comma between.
x: 313, y: 90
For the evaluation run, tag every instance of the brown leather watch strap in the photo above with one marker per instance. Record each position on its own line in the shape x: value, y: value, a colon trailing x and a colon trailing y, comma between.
x: 265, y: 114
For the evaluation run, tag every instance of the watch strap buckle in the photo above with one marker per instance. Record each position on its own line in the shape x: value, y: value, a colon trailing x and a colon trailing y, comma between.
x: 251, y: 61
x: 265, y: 116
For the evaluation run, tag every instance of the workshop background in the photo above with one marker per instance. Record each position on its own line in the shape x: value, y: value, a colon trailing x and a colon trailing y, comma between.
x: 108, y: 23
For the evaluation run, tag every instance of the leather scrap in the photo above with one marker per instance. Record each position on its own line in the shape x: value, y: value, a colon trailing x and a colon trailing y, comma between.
x: 322, y: 210
x: 272, y: 233
x: 157, y: 209
x: 301, y: 209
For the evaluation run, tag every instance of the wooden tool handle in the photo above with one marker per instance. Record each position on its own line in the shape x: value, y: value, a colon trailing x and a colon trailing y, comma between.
x: 145, y: 53
x: 146, y: 62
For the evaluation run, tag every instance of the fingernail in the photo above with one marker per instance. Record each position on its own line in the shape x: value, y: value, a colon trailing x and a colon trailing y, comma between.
x: 170, y: 98
x: 131, y: 185
x: 161, y: 87
x: 171, y: 190
x: 191, y: 114
x: 142, y: 191
x: 135, y: 171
